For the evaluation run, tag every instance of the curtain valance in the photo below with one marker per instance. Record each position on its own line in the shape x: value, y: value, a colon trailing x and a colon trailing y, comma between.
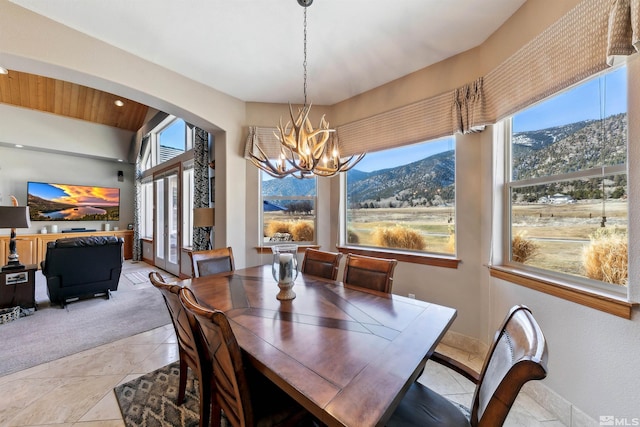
x: 623, y: 37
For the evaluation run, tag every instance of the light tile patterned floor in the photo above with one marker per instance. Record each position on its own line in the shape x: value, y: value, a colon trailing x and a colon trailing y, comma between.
x: 78, y: 390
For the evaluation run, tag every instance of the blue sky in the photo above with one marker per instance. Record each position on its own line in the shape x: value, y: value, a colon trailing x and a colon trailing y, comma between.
x: 580, y: 103
x: 403, y: 155
x: 173, y: 135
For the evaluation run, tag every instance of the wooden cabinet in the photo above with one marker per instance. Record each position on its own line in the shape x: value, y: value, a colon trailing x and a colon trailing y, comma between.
x: 32, y: 248
x: 26, y: 247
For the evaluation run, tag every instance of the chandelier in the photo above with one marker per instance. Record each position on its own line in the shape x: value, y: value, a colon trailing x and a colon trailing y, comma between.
x: 304, y: 151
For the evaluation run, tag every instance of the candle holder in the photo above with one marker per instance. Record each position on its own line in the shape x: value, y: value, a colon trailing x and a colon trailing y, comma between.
x: 285, y: 269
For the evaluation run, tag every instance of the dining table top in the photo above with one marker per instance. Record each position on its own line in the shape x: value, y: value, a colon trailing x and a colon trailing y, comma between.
x: 347, y: 355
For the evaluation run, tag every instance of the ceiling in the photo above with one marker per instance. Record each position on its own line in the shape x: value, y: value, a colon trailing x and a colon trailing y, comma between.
x: 70, y: 100
x: 253, y: 50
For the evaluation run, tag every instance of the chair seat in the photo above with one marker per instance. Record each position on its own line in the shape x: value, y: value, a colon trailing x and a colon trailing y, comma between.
x: 422, y: 407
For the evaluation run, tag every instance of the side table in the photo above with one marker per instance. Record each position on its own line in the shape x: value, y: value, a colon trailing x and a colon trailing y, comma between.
x: 18, y: 287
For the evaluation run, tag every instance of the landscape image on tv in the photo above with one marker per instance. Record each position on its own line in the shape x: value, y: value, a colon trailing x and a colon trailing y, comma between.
x: 61, y: 202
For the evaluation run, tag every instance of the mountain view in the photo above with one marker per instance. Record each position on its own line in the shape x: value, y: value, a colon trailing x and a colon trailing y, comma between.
x: 429, y: 181
x: 576, y: 146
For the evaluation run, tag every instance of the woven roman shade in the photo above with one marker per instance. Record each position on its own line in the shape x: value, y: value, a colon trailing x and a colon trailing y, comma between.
x: 265, y: 138
x: 469, y: 112
x: 624, y: 30
x: 570, y: 50
x: 417, y: 122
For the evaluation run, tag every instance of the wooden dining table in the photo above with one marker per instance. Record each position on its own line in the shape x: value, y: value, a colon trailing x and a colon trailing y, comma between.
x: 347, y: 355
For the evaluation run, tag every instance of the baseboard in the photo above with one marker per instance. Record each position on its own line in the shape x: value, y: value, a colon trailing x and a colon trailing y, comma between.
x: 548, y: 399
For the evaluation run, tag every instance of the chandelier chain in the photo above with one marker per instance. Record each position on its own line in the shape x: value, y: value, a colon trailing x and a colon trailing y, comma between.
x: 304, y: 62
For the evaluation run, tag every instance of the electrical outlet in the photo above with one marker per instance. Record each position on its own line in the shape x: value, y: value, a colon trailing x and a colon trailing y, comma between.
x: 412, y: 296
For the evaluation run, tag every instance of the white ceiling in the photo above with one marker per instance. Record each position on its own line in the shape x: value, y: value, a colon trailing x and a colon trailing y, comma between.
x: 253, y: 50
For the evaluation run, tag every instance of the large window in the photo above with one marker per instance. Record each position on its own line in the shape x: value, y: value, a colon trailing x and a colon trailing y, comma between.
x: 168, y: 140
x: 404, y: 199
x: 567, y: 192
x: 288, y: 210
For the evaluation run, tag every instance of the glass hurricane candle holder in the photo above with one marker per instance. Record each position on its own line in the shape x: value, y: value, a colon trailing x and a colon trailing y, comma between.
x: 285, y: 269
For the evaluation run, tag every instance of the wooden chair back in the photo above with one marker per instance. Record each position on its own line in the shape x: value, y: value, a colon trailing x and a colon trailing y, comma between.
x: 321, y: 263
x: 517, y: 355
x: 212, y: 261
x: 189, y: 344
x: 369, y: 272
x: 231, y: 389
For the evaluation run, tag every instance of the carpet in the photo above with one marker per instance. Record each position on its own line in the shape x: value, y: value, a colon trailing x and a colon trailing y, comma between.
x: 51, y: 332
x: 150, y: 400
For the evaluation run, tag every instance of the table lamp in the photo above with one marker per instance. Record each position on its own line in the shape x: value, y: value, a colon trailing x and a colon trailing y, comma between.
x: 14, y: 217
x: 204, y: 217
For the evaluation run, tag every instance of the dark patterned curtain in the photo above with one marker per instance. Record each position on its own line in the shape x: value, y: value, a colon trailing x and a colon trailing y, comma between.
x: 200, y: 183
x: 137, y: 244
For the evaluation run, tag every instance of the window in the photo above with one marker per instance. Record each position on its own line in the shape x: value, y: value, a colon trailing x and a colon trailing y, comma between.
x: 171, y: 138
x: 404, y: 199
x: 567, y: 190
x: 288, y: 209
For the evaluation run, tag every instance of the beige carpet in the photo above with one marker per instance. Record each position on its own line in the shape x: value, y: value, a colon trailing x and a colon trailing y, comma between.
x: 51, y: 332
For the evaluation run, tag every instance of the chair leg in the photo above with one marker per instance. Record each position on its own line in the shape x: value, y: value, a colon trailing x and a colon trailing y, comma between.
x: 216, y: 410
x: 205, y: 399
x: 183, y: 380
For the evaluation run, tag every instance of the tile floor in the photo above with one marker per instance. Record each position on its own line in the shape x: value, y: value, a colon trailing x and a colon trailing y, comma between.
x: 77, y: 390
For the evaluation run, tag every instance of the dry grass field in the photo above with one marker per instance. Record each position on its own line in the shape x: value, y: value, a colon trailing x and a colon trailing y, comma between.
x: 561, y: 232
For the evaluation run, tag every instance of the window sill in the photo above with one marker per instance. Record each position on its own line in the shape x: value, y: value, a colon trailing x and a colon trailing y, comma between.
x: 301, y: 248
x: 611, y: 304
x: 437, y: 261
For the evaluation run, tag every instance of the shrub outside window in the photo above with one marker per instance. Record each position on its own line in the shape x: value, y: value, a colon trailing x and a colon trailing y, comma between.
x: 568, y: 185
x: 288, y: 210
x: 404, y: 199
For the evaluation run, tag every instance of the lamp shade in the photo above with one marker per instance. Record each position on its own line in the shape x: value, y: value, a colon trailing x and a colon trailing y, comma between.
x: 203, y: 217
x: 14, y: 217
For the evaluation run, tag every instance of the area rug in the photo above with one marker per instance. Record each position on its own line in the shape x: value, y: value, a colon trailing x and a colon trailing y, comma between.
x: 137, y: 277
x: 51, y: 332
x: 150, y: 400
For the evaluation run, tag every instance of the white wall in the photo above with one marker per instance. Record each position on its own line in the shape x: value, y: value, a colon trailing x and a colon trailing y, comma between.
x: 44, y: 131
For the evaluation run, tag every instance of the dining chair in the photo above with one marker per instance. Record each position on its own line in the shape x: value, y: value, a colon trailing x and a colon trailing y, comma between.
x: 369, y: 272
x: 518, y: 354
x: 189, y: 347
x: 321, y: 263
x: 212, y: 261
x: 246, y: 397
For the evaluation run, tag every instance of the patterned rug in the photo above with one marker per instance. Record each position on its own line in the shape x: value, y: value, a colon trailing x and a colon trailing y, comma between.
x: 150, y: 400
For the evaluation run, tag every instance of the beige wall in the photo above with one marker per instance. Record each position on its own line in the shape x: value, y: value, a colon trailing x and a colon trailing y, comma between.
x: 593, y: 356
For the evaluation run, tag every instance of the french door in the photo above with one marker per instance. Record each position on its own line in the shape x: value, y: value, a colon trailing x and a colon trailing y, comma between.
x: 167, y: 221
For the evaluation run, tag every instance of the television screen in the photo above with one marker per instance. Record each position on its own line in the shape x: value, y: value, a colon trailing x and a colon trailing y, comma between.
x: 61, y: 202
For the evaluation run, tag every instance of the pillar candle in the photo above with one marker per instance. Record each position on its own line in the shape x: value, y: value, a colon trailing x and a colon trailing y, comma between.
x: 286, y: 268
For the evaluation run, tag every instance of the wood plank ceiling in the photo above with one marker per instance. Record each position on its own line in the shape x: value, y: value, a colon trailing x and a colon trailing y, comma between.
x: 70, y: 100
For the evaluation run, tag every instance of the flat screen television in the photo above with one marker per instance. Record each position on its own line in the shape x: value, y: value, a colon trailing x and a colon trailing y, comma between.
x: 63, y: 202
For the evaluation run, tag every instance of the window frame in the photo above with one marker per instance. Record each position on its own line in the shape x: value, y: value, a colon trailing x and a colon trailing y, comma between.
x: 609, y: 298
x: 403, y: 255
x: 261, y: 197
